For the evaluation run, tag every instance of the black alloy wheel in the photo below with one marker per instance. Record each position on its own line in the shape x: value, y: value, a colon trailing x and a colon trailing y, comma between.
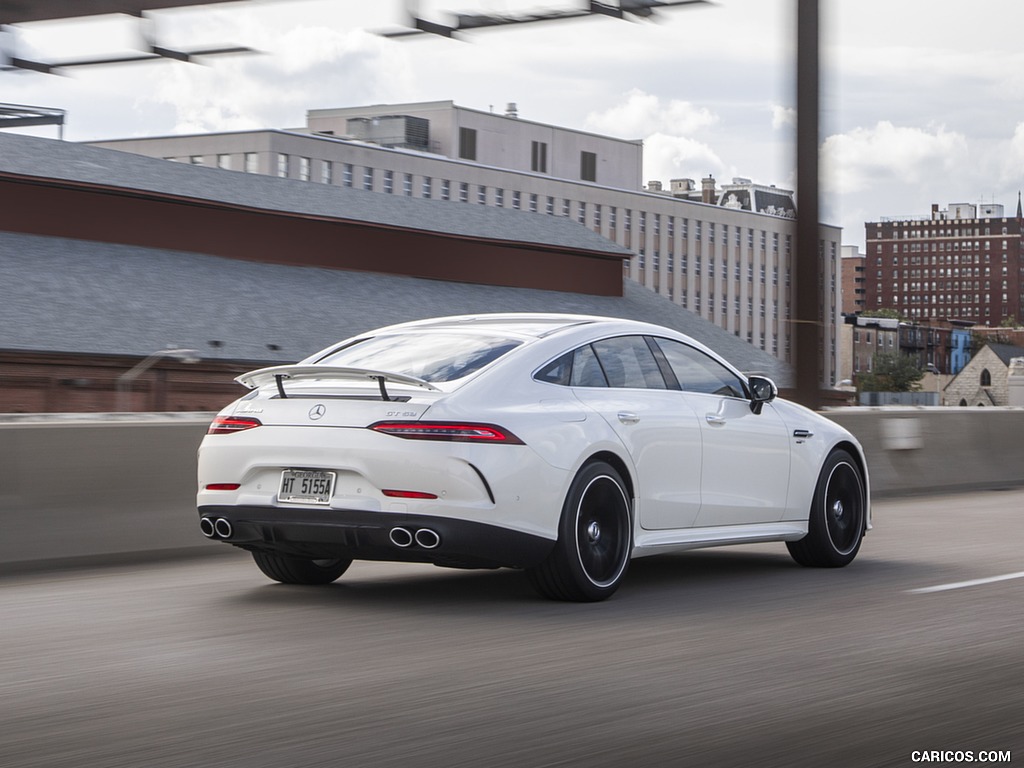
x: 595, y: 539
x: 837, y: 518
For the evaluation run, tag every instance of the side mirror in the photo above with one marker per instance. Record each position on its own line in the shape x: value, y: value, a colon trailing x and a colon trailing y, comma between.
x: 762, y: 390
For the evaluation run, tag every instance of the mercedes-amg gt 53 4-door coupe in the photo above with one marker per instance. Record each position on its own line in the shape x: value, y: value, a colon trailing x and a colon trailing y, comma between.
x: 561, y: 445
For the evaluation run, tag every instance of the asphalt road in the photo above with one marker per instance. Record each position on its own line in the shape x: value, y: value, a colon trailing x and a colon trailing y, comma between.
x: 732, y: 657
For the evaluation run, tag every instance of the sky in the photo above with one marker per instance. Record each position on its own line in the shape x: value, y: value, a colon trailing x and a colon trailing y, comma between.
x: 922, y: 100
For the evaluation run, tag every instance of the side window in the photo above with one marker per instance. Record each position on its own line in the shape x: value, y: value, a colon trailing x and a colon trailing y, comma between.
x: 699, y: 373
x: 586, y: 371
x: 629, y: 363
x: 557, y: 371
x: 574, y: 369
x: 622, y: 362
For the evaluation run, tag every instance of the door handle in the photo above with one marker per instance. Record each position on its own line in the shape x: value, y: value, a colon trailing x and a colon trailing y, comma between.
x: 715, y: 420
x: 628, y: 417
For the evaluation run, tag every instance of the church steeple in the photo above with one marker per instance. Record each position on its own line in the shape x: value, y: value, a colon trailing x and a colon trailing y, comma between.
x: 1020, y: 213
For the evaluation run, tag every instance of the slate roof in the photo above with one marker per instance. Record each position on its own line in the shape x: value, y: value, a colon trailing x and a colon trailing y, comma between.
x: 59, y: 295
x: 50, y: 159
x: 1006, y: 352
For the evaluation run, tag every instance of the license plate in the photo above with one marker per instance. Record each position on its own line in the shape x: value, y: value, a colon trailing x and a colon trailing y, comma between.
x: 306, y: 486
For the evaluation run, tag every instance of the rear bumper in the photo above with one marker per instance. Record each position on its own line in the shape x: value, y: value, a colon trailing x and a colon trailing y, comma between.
x: 360, y: 535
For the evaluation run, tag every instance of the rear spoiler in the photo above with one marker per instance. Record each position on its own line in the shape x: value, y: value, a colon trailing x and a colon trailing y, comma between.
x: 280, y: 373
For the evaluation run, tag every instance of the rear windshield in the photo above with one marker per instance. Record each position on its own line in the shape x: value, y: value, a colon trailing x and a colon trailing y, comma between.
x: 432, y: 357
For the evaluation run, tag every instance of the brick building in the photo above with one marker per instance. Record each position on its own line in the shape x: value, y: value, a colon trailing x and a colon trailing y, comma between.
x: 853, y: 280
x: 962, y: 263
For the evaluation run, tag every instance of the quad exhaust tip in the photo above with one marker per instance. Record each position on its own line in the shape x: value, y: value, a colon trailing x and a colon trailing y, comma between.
x: 427, y: 538
x: 223, y: 528
x: 424, y: 537
x: 219, y: 528
x: 400, y: 537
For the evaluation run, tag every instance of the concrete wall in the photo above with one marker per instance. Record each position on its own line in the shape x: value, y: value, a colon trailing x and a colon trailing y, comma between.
x: 80, y: 489
x: 98, y: 488
x: 935, y: 450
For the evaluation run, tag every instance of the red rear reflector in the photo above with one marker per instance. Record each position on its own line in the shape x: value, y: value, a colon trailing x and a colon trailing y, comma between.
x: 227, y: 425
x: 223, y: 486
x: 458, y: 432
x: 408, y: 494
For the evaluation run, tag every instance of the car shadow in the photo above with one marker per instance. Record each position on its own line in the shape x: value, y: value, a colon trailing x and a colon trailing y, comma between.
x: 720, y: 579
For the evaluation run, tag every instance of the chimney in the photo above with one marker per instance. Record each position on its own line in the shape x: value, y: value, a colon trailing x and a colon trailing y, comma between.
x: 707, y: 190
x: 511, y: 110
x: 654, y: 186
x: 935, y: 211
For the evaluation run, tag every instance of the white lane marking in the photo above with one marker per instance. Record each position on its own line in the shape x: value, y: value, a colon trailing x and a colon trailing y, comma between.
x: 962, y: 584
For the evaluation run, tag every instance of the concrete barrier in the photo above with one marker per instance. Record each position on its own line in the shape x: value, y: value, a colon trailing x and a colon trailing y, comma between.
x: 83, y: 488
x: 86, y: 489
x: 937, y: 450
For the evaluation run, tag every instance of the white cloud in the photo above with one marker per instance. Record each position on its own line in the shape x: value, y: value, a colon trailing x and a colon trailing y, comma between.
x: 867, y: 158
x: 1011, y: 170
x: 667, y: 127
x: 672, y: 157
x: 783, y: 117
x: 643, y: 114
x: 311, y: 67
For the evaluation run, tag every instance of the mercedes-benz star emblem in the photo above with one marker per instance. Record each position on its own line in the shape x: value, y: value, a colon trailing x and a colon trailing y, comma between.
x: 317, y: 411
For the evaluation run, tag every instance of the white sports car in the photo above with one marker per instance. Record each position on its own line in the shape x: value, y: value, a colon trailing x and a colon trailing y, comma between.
x: 561, y: 445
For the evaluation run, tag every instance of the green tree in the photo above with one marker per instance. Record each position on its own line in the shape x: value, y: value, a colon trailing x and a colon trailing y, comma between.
x: 891, y: 314
x: 891, y: 373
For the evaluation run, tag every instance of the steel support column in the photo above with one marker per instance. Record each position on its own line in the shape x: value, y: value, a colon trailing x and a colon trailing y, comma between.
x: 808, y: 294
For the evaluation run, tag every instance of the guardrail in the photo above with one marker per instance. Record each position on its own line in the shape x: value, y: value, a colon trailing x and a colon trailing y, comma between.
x: 81, y: 489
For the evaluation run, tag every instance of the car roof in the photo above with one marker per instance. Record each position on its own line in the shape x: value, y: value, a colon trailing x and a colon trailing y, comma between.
x: 529, y: 324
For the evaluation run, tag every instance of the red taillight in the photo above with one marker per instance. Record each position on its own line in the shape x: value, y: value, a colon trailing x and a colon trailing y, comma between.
x: 223, y: 486
x: 458, y: 432
x: 408, y: 494
x: 228, y: 425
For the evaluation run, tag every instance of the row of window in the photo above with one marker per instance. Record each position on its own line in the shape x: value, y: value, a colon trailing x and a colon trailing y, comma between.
x: 948, y: 285
x: 965, y: 312
x: 250, y: 162
x: 947, y: 298
x: 655, y: 264
x: 881, y: 340
x: 947, y: 260
x: 939, y: 247
x: 944, y: 272
x: 910, y: 289
x: 930, y: 233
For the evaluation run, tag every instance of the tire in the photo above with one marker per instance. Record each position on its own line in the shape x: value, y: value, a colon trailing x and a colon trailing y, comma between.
x: 837, y: 518
x: 595, y: 539
x: 297, y: 570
